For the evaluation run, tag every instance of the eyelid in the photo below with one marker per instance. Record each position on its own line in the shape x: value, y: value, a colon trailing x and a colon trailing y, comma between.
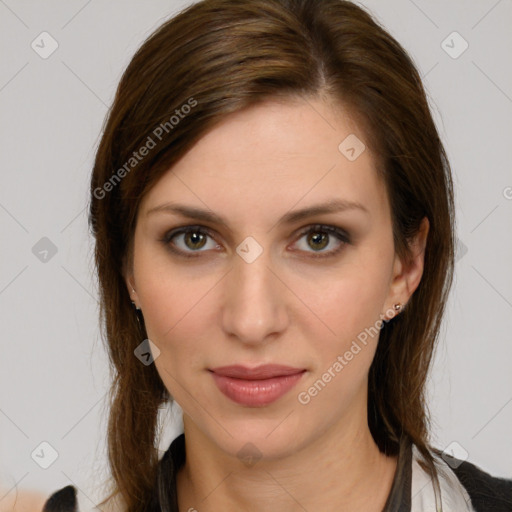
x: 183, y: 230
x: 340, y: 233
x: 335, y: 231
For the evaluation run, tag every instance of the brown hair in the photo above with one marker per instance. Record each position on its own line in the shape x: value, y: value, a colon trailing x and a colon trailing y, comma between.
x: 219, y: 57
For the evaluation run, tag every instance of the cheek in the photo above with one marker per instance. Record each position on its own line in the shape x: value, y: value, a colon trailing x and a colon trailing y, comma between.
x: 176, y: 322
x: 168, y: 294
x: 351, y: 308
x: 174, y: 313
x: 351, y: 302
x: 177, y: 306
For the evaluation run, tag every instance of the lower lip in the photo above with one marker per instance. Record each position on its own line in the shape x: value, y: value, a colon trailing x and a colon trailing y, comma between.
x: 256, y: 393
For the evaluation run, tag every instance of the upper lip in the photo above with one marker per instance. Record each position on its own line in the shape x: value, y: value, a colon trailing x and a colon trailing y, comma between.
x: 265, y: 371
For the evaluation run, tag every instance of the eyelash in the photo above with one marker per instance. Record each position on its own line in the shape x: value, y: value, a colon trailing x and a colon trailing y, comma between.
x: 331, y: 230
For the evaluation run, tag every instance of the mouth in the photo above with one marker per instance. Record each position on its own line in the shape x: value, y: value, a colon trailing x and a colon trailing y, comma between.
x: 256, y: 387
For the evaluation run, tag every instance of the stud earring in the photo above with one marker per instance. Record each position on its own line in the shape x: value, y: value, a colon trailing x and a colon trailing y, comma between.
x: 398, y: 306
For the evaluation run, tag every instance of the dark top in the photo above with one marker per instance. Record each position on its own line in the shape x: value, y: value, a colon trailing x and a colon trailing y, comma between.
x: 487, y: 493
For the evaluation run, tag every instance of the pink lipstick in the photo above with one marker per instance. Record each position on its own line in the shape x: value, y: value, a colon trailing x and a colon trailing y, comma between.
x: 256, y: 387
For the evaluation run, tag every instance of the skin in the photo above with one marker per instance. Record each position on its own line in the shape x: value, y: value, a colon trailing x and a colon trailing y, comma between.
x: 285, y: 307
x: 21, y: 501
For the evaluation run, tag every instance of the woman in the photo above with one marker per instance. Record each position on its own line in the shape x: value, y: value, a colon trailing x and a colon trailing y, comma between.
x: 274, y: 222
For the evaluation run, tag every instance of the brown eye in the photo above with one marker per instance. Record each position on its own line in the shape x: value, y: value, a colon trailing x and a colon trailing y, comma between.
x: 196, y: 238
x: 318, y: 240
x: 192, y: 238
x: 189, y: 241
x: 318, y: 237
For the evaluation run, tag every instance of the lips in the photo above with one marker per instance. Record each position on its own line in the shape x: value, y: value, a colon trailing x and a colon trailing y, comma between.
x: 256, y: 387
x: 266, y: 371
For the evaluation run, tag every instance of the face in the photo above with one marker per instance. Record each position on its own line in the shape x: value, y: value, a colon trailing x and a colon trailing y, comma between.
x: 258, y: 286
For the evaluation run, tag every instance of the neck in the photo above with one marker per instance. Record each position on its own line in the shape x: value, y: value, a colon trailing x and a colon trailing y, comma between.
x: 342, y: 469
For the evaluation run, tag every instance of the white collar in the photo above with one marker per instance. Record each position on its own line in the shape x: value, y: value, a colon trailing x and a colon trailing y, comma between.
x: 451, y: 496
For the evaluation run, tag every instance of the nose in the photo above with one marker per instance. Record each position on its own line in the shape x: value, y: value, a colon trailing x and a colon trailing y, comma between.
x: 254, y: 304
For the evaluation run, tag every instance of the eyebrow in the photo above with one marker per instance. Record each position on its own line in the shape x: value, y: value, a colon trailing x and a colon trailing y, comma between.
x: 331, y: 206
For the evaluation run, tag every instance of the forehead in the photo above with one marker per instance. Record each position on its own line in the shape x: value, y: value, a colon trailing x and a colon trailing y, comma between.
x: 269, y: 157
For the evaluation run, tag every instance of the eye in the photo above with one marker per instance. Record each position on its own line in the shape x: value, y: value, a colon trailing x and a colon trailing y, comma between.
x: 195, y: 238
x: 319, y: 237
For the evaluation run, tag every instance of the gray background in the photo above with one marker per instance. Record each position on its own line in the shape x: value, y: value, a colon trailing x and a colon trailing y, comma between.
x: 54, y: 373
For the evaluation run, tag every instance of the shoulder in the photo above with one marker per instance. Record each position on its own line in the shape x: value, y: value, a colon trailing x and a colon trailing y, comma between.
x: 63, y: 500
x: 68, y: 500
x: 487, y: 493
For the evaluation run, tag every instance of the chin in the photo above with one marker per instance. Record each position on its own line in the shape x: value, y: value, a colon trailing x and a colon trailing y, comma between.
x: 271, y: 438
x: 251, y: 449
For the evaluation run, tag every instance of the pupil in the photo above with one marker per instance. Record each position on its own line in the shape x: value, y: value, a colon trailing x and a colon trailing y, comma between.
x: 318, y: 238
x: 196, y: 238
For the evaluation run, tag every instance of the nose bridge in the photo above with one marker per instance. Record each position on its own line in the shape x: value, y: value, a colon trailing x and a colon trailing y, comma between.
x: 254, y: 303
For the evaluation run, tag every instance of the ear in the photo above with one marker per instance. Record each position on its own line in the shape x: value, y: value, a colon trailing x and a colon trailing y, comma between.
x: 407, y: 274
x: 127, y: 271
x: 130, y: 285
